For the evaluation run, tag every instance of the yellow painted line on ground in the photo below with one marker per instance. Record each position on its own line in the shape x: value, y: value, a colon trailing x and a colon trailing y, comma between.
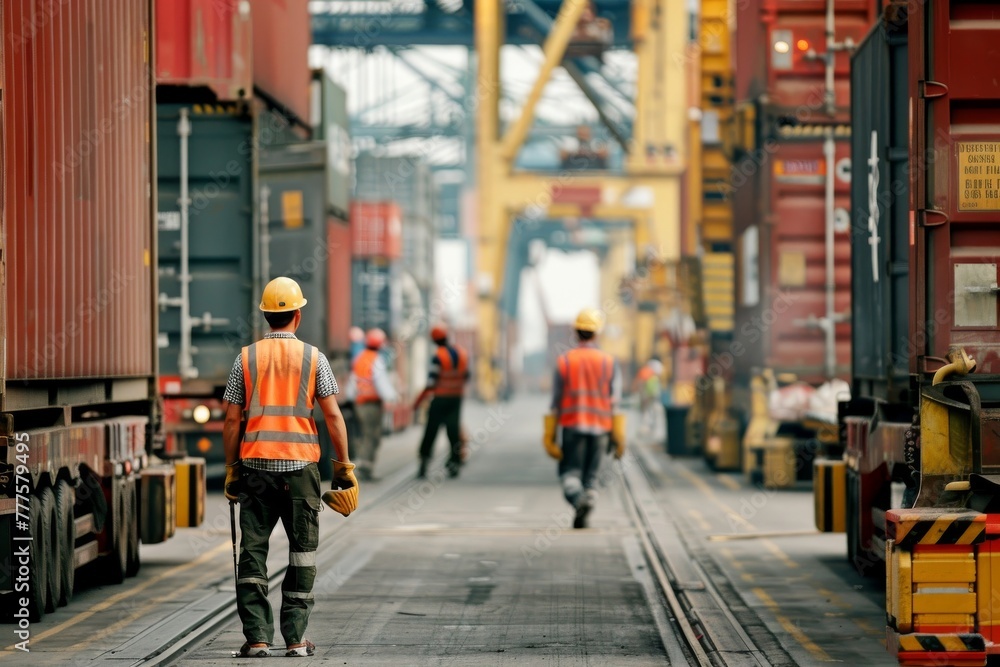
x: 700, y: 519
x: 728, y: 553
x: 756, y: 536
x: 710, y: 494
x: 747, y: 577
x: 728, y: 481
x: 778, y: 553
x: 136, y: 615
x: 792, y: 629
x: 124, y: 595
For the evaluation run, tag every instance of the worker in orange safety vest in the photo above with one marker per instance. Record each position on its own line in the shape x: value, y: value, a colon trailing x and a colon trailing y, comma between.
x: 448, y: 374
x: 369, y: 388
x: 272, y: 470
x: 586, y: 390
x: 647, y: 385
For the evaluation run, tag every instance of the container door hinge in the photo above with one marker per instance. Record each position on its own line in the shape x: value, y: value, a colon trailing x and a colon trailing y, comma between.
x: 932, y: 89
x: 931, y: 217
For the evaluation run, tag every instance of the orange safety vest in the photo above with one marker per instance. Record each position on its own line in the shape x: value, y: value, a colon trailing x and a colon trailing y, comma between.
x: 364, y: 374
x: 451, y: 381
x: 644, y: 374
x: 280, y: 379
x: 586, y: 374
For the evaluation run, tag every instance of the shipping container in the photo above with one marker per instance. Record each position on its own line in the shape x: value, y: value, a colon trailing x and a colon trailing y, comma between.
x: 282, y: 34
x: 880, y: 216
x: 792, y: 173
x: 377, y: 300
x: 77, y: 253
x: 376, y: 229
x: 219, y: 175
x: 78, y: 238
x: 331, y: 125
x: 205, y: 43
x: 955, y: 186
x: 305, y: 243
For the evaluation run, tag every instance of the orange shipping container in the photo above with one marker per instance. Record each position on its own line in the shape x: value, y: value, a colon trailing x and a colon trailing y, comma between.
x: 376, y: 229
x: 282, y: 34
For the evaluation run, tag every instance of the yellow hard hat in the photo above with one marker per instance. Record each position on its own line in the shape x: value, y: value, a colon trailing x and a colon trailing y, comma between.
x: 589, y: 319
x: 282, y: 295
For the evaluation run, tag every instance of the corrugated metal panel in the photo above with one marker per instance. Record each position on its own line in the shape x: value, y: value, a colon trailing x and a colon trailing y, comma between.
x: 955, y: 112
x: 205, y: 43
x: 221, y: 237
x: 339, y: 295
x: 406, y: 180
x: 377, y: 300
x: 880, y: 222
x: 376, y: 229
x: 77, y: 165
x: 331, y: 125
x: 281, y: 37
x: 295, y: 178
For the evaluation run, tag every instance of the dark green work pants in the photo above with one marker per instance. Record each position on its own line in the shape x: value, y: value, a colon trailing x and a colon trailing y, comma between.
x: 294, y: 498
x: 444, y: 411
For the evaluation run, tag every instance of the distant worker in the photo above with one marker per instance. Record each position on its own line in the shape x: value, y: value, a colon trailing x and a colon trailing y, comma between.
x: 369, y: 388
x: 647, y: 385
x: 272, y: 472
x: 448, y: 374
x: 586, y: 388
x: 357, y: 338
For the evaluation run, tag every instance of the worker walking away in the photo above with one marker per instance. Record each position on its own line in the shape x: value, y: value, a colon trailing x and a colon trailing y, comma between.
x: 647, y: 385
x: 586, y: 389
x: 448, y: 374
x: 369, y: 388
x: 272, y: 470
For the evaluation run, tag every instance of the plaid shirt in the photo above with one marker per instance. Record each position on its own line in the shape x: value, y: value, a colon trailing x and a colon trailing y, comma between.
x: 326, y: 385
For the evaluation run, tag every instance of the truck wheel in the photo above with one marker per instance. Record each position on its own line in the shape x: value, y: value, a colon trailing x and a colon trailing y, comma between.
x: 851, y: 523
x: 117, y: 560
x: 65, y: 499
x: 54, y: 559
x: 132, y: 558
x: 37, y: 579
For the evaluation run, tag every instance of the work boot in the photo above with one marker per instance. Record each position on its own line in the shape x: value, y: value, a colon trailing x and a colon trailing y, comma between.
x: 582, y: 510
x: 422, y: 473
x: 453, y: 467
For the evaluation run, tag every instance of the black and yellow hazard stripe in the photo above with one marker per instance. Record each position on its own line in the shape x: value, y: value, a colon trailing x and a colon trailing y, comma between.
x: 910, y: 528
x: 830, y: 495
x: 190, y: 495
x: 942, y: 643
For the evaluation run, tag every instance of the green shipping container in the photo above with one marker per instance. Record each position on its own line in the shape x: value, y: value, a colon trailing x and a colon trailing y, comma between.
x: 330, y: 120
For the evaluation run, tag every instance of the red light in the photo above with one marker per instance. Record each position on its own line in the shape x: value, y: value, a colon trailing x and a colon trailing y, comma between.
x: 802, y: 45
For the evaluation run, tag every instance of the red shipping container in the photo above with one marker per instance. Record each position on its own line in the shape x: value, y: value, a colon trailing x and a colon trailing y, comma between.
x: 338, y: 316
x: 282, y: 33
x: 205, y: 43
x: 376, y: 229
x: 77, y: 167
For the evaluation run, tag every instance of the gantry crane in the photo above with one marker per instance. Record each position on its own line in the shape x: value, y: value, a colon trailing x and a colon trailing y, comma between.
x: 648, y: 193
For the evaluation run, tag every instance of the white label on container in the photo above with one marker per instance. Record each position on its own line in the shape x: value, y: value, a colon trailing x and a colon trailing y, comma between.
x: 162, y: 340
x: 168, y: 221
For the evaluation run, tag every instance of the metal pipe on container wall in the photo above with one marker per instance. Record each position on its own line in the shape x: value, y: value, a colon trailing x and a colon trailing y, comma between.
x: 265, y: 234
x: 831, y: 47
x: 185, y: 363
x: 829, y: 323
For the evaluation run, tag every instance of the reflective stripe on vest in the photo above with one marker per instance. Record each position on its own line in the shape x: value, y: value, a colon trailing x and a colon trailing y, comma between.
x: 279, y: 375
x: 364, y: 374
x: 586, y: 375
x: 451, y: 380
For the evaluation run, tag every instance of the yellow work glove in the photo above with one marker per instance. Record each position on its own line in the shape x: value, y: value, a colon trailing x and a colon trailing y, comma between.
x: 549, y: 438
x: 232, y: 486
x: 618, y: 434
x: 343, y: 497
